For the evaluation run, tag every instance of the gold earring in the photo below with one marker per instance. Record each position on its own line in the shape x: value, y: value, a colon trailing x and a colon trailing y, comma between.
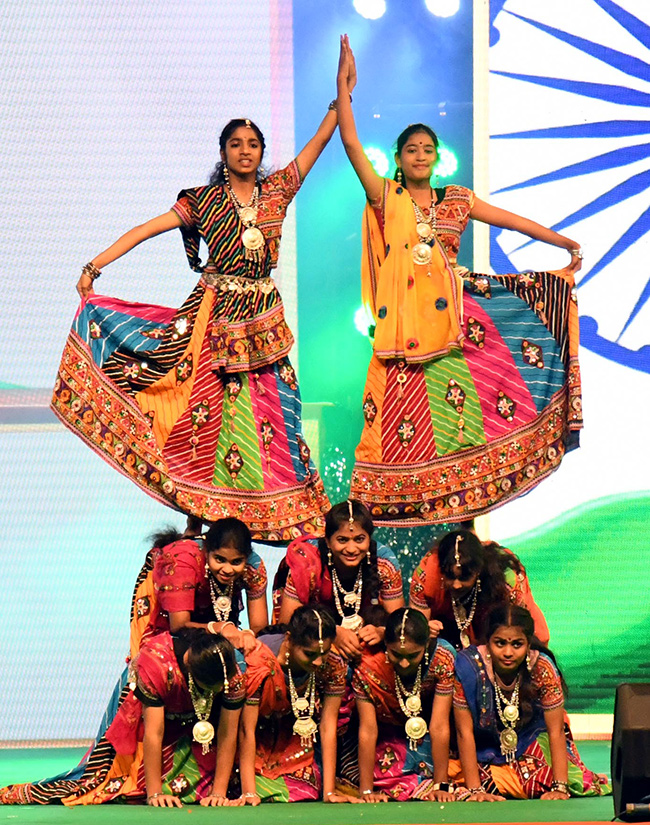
x: 399, y: 177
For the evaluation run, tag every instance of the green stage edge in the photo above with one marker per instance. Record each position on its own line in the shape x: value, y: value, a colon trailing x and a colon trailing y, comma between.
x: 30, y: 764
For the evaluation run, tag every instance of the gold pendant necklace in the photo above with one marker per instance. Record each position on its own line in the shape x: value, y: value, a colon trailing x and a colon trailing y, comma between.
x: 203, y: 731
x: 411, y: 705
x: 508, y: 711
x: 303, y: 710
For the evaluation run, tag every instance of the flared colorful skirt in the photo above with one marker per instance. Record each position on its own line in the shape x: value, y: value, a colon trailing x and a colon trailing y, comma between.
x: 531, y: 774
x: 143, y: 386
x: 457, y: 436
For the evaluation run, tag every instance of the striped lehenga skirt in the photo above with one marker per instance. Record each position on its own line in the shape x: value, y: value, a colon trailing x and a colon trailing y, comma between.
x: 147, y: 388
x: 457, y: 436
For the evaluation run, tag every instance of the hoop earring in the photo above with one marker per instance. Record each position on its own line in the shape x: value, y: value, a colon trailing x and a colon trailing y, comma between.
x: 399, y: 177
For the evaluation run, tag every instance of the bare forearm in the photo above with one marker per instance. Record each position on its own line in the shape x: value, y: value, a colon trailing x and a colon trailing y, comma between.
x: 367, y: 748
x: 440, y: 753
x: 162, y: 223
x: 247, y: 760
x: 328, y: 745
x: 152, y: 757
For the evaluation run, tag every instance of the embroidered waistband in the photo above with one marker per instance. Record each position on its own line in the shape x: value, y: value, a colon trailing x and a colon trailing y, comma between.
x: 238, y: 283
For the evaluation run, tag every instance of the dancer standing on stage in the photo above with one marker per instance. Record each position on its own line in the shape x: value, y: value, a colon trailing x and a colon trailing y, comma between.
x: 509, y: 710
x: 200, y: 405
x: 461, y: 579
x: 358, y: 580
x: 403, y: 697
x: 473, y: 391
x: 294, y: 686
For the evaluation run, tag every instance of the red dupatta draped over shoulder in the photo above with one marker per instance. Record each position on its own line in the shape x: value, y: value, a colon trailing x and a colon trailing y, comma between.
x: 311, y: 579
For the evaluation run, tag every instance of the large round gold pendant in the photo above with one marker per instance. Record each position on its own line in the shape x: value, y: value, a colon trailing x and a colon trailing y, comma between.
x: 203, y: 732
x: 305, y: 727
x: 223, y: 604
x: 352, y: 622
x: 416, y: 728
x: 421, y: 253
x: 247, y: 214
x: 413, y: 704
x: 350, y: 599
x: 508, y: 740
x: 301, y: 704
x: 424, y: 230
x: 511, y: 713
x: 252, y: 238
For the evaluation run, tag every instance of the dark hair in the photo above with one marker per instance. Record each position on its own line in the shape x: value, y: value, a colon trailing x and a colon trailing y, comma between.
x: 217, y: 176
x: 232, y: 533
x: 304, y: 626
x: 334, y: 520
x: 416, y: 626
x: 514, y: 615
x: 205, y: 652
x: 169, y: 534
x: 229, y: 532
x: 413, y: 129
x: 484, y: 560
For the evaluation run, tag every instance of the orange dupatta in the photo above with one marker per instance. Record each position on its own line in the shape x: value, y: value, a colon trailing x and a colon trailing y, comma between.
x: 417, y: 307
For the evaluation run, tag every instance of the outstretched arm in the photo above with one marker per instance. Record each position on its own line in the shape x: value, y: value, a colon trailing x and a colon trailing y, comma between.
x: 156, y: 226
x: 308, y: 156
x: 482, y: 211
x: 370, y: 180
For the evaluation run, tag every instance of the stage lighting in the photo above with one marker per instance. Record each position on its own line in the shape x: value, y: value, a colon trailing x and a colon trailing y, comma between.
x: 442, y: 8
x: 363, y: 320
x: 378, y: 158
x: 370, y: 9
x: 447, y: 164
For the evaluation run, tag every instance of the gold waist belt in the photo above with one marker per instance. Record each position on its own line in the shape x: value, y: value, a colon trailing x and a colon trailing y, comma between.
x: 238, y: 283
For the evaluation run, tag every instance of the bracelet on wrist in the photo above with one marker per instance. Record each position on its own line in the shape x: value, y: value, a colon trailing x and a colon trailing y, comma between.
x: 225, y: 625
x: 91, y: 271
x: 212, y: 628
x: 562, y: 787
x: 155, y: 795
x: 577, y: 253
x: 250, y: 795
x: 367, y: 791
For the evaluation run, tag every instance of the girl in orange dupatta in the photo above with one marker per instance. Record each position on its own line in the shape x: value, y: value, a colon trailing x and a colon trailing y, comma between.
x: 292, y: 678
x: 460, y: 580
x: 473, y: 391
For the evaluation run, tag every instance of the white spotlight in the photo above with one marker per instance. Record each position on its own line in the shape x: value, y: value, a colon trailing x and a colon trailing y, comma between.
x: 442, y: 8
x: 370, y: 9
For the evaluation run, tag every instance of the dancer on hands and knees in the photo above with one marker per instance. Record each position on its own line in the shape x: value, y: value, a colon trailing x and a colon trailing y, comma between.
x: 403, y: 697
x: 513, y: 739
x: 294, y: 686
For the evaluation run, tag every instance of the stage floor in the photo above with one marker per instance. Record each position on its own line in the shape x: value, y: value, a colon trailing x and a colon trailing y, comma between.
x: 31, y: 764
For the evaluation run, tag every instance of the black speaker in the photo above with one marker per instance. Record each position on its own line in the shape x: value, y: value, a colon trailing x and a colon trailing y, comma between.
x: 631, y: 751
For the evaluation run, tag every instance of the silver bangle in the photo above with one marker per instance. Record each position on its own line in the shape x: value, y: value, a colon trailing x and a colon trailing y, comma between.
x: 576, y: 253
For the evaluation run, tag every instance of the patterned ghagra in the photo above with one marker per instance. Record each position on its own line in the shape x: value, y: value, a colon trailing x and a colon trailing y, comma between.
x: 473, y: 391
x: 200, y: 405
